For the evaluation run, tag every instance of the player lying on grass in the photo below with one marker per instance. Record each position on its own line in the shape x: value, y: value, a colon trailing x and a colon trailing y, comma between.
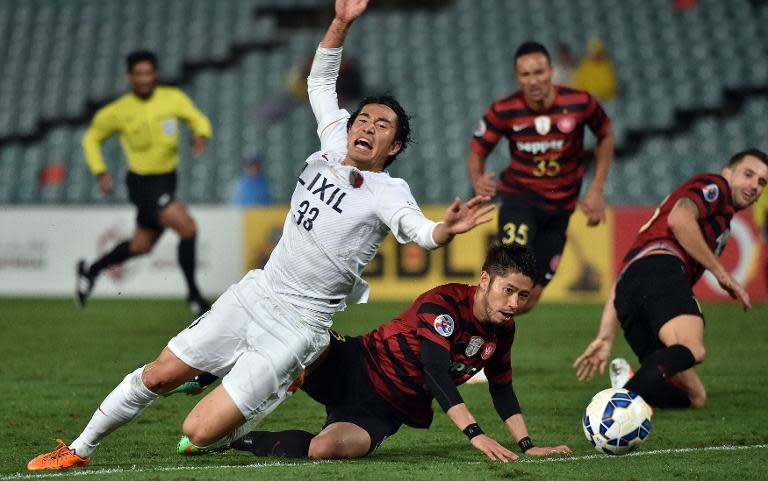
x: 373, y: 384
x: 266, y: 329
x: 653, y: 297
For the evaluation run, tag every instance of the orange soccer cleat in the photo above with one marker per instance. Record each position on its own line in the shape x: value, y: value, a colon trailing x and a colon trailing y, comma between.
x: 60, y: 458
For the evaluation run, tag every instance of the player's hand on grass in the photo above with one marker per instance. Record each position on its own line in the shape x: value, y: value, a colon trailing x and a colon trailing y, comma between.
x: 105, y: 183
x: 547, y: 451
x: 492, y: 449
x: 593, y: 207
x: 594, y: 358
x: 734, y: 289
x: 460, y: 218
x: 486, y: 184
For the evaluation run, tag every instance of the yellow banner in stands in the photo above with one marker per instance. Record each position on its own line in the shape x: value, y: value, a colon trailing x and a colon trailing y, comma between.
x: 402, y: 272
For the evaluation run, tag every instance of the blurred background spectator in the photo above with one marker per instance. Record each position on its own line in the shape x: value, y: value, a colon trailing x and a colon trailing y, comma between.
x: 564, y: 65
x: 252, y: 188
x: 595, y: 73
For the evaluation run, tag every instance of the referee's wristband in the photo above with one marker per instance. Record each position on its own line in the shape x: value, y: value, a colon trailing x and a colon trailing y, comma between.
x: 525, y: 444
x: 473, y: 430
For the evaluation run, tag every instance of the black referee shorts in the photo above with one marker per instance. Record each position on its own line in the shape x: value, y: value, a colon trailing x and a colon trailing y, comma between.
x: 150, y: 194
x: 544, y: 231
x: 650, y: 292
x: 341, y: 383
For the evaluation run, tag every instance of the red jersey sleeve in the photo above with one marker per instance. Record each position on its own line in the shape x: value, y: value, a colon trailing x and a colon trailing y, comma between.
x: 596, y: 118
x: 489, y: 131
x: 709, y: 192
x: 436, y: 320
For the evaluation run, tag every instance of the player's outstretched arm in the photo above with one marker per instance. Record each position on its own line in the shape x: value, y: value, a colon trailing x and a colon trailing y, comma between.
x: 464, y: 420
x: 462, y: 217
x: 516, y: 426
x: 593, y: 204
x: 595, y: 357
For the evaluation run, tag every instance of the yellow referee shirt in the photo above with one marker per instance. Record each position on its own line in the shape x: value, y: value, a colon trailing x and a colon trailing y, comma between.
x: 760, y: 210
x: 148, y: 129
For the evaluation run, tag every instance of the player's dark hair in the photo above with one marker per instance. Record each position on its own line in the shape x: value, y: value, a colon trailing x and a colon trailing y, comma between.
x: 739, y: 156
x: 503, y: 259
x: 530, y: 47
x: 138, y: 56
x: 403, y: 131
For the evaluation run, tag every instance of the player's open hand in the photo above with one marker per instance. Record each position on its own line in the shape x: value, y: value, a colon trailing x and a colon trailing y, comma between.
x: 460, y: 218
x: 348, y: 10
x: 594, y: 358
x: 734, y: 289
x: 105, y: 183
x: 593, y: 207
x: 199, y: 144
x: 492, y: 449
x: 486, y: 184
x: 541, y: 451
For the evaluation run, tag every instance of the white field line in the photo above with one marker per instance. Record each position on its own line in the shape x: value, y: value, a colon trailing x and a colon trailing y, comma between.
x: 567, y: 459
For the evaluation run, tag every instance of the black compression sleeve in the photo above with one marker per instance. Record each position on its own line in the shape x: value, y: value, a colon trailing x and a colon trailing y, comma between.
x: 504, y: 400
x: 436, y: 361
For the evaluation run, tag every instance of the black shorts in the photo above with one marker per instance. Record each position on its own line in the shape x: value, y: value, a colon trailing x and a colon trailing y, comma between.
x: 542, y: 230
x: 650, y: 292
x: 341, y: 383
x: 150, y: 194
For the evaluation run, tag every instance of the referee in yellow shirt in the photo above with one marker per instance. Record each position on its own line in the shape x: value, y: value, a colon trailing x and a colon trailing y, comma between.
x: 146, y: 119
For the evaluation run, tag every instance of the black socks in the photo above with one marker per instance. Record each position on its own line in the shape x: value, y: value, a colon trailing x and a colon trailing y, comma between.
x: 118, y: 254
x: 289, y: 444
x: 650, y: 381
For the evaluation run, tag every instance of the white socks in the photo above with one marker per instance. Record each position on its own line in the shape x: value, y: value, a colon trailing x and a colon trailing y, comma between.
x: 121, y: 406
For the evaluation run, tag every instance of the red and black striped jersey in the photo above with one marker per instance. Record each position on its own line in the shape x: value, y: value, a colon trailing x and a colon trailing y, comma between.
x: 712, y: 196
x: 546, y: 149
x: 444, y: 316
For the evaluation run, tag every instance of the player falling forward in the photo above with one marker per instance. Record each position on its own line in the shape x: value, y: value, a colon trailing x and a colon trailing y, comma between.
x: 266, y: 329
x: 653, y: 297
x: 373, y: 384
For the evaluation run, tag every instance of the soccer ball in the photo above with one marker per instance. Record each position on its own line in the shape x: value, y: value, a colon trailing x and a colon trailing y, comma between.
x: 616, y: 421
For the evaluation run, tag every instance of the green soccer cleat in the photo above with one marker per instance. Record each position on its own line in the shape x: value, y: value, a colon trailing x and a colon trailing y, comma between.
x: 191, y: 388
x: 186, y: 448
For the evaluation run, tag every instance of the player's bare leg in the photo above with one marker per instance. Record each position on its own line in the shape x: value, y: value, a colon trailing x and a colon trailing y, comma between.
x: 175, y: 216
x: 129, y: 399
x: 340, y: 440
x: 143, y: 240
x: 683, y: 337
x: 690, y: 382
x: 214, y: 417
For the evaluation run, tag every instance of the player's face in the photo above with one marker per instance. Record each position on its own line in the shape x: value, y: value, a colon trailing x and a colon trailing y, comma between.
x: 534, y: 75
x: 143, y: 79
x: 747, y: 180
x: 499, y: 300
x: 372, y: 138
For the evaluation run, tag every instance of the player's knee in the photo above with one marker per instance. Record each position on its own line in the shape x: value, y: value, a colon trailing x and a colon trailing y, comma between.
x: 188, y: 229
x: 327, y: 448
x: 196, y: 432
x: 157, y: 381
x: 139, y: 247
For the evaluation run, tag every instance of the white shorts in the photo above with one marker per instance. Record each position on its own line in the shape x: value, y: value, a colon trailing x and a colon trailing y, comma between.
x: 258, y: 351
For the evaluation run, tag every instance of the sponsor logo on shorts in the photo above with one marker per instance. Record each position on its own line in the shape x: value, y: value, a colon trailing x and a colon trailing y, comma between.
x: 488, y: 350
x: 163, y: 200
x: 711, y: 192
x: 444, y: 325
x: 474, y: 346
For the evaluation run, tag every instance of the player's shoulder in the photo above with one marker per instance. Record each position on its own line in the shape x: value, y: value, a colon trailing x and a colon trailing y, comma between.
x: 570, y: 95
x: 513, y: 101
x: 169, y: 92
x: 453, y: 295
x: 706, y: 179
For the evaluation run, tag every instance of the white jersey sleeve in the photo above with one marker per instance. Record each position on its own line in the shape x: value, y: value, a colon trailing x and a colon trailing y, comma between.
x: 321, y: 87
x: 399, y: 211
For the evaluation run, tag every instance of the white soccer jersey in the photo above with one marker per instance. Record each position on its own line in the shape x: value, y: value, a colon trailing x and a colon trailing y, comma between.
x: 336, y: 223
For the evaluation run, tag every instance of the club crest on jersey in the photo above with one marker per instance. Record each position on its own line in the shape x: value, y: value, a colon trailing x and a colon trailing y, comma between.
x: 566, y: 124
x: 488, y: 350
x: 711, y: 192
x: 474, y: 346
x: 480, y: 129
x: 355, y: 178
x: 543, y: 124
x: 444, y: 325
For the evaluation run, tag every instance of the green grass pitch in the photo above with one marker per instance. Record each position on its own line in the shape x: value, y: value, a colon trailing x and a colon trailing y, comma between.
x: 58, y: 363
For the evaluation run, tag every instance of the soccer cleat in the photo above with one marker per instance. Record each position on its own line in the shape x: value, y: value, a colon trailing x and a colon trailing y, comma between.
x: 192, y: 388
x: 60, y: 458
x: 83, y: 284
x: 198, y: 305
x: 186, y: 448
x: 620, y: 372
